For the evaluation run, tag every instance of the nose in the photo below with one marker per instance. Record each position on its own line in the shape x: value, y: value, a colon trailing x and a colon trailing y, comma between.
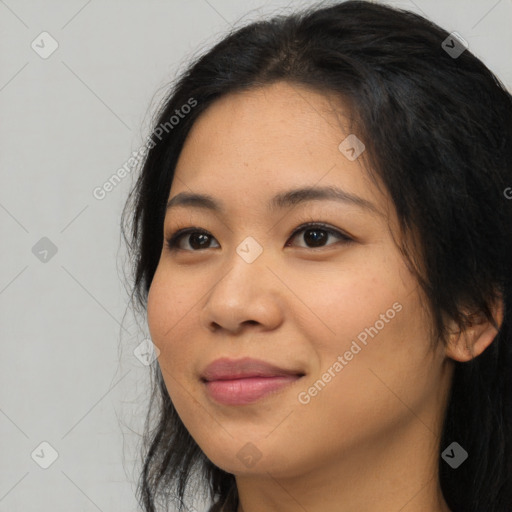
x: 247, y: 294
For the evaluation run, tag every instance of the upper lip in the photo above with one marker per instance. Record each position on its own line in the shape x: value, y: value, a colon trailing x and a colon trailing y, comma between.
x: 228, y: 369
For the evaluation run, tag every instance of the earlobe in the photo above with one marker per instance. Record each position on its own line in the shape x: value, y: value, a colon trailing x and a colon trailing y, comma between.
x: 479, y: 334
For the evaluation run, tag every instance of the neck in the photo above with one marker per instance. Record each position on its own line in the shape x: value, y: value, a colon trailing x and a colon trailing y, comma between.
x: 399, y: 471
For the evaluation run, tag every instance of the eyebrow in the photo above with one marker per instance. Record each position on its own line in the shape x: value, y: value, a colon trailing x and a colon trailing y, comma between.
x: 280, y: 201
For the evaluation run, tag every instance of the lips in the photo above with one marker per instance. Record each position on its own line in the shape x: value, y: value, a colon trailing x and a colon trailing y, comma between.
x: 229, y: 369
x: 243, y: 381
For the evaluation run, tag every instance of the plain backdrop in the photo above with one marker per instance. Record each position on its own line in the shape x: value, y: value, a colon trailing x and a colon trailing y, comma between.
x: 73, y: 395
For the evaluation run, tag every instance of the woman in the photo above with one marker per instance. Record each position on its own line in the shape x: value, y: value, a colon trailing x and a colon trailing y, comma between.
x: 371, y: 372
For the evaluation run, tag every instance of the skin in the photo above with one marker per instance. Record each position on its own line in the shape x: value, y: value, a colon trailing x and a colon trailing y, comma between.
x: 369, y: 440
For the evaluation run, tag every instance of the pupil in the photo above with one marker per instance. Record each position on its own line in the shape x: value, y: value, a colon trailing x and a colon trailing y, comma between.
x: 316, y: 238
x: 201, y: 237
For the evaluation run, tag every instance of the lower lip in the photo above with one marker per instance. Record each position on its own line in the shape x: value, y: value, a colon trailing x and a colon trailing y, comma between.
x: 246, y: 391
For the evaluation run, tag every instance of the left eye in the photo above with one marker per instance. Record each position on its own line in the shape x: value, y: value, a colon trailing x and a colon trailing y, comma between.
x: 316, y: 235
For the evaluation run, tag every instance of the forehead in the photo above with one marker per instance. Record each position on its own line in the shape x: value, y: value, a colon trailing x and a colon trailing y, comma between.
x: 250, y: 145
x: 266, y: 122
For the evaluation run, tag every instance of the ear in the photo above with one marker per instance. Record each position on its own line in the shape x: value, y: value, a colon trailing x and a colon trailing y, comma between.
x: 469, y: 343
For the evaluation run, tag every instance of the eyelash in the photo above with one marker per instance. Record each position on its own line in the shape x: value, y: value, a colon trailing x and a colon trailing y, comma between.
x: 173, y: 241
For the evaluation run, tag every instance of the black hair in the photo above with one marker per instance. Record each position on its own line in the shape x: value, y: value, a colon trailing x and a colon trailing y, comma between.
x: 438, y: 134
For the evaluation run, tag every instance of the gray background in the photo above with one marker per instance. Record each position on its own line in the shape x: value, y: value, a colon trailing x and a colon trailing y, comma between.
x: 68, y: 375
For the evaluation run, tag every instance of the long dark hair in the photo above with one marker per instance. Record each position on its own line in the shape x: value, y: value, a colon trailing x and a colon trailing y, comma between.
x: 438, y: 133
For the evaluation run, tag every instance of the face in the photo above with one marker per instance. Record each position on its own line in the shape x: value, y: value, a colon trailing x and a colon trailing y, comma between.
x: 333, y: 306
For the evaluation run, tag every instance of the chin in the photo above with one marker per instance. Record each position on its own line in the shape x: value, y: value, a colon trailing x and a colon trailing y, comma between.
x: 253, y: 459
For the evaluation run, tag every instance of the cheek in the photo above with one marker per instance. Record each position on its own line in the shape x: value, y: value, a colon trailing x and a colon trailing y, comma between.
x: 343, y: 302
x: 166, y: 307
x: 171, y: 317
x: 156, y: 310
x: 161, y: 317
x: 371, y: 316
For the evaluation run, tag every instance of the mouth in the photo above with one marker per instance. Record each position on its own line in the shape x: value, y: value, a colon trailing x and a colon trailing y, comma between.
x: 244, y: 381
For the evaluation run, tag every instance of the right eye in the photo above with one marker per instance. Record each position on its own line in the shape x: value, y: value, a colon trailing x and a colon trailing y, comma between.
x: 199, y: 241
